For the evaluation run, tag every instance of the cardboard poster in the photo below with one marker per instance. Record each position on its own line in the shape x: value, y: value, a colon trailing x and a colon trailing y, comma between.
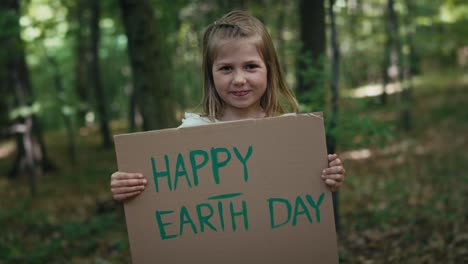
x: 233, y: 192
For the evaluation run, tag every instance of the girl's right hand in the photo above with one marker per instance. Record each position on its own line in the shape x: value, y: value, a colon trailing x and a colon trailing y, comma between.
x: 126, y: 185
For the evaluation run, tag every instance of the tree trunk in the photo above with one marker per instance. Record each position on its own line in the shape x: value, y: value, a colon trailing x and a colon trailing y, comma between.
x: 150, y: 68
x: 385, y: 69
x: 26, y: 160
x: 280, y: 26
x: 31, y: 151
x: 407, y: 95
x: 78, y: 21
x: 352, y: 28
x: 392, y: 53
x: 5, y: 77
x: 310, y: 72
x: 132, y: 110
x: 331, y: 137
x: 45, y: 163
x: 96, y: 75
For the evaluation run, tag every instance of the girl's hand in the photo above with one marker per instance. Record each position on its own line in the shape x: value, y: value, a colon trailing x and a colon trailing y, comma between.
x: 126, y: 185
x: 335, y: 173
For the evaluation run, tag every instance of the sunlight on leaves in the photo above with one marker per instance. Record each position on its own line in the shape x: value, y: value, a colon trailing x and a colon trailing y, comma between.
x: 25, y: 111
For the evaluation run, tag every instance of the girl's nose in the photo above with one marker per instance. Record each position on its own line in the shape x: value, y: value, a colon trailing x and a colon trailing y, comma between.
x: 239, y: 78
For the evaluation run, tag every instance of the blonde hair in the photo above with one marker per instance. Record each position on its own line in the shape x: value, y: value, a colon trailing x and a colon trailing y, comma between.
x: 239, y: 25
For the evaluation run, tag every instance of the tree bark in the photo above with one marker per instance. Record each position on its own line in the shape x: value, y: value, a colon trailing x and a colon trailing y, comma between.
x: 331, y: 137
x: 96, y: 75
x: 311, y: 60
x: 132, y: 111
x: 150, y: 68
x: 392, y: 53
x: 352, y: 28
x: 407, y: 94
x: 79, y: 21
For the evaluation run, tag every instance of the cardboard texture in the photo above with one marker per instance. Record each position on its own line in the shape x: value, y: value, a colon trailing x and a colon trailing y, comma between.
x: 233, y: 192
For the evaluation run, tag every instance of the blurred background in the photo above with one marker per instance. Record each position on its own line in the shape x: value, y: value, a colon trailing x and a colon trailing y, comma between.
x: 391, y: 77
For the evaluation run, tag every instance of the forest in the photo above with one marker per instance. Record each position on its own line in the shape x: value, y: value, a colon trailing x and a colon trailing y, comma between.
x: 390, y: 76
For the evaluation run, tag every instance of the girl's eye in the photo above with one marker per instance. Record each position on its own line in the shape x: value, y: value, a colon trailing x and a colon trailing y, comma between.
x: 251, y: 66
x: 225, y: 68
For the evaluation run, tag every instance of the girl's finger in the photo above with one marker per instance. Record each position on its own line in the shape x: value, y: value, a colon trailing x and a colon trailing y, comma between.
x: 334, y: 170
x: 335, y: 177
x: 332, y: 157
x: 330, y: 182
x: 128, y: 183
x: 124, y: 175
x: 335, y: 162
x: 123, y: 190
x: 122, y: 197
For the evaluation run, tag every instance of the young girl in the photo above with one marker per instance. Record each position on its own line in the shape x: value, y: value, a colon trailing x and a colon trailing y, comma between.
x: 242, y: 79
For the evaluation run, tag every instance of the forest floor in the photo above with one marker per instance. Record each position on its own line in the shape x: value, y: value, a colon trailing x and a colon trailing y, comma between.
x: 404, y: 200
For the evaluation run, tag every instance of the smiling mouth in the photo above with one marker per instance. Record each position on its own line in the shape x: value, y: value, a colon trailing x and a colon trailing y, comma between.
x: 240, y: 93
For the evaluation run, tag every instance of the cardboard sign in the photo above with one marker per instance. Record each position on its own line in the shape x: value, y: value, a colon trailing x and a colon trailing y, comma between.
x: 233, y: 192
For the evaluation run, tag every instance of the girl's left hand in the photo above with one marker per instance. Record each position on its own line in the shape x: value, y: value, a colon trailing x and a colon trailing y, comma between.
x: 335, y: 173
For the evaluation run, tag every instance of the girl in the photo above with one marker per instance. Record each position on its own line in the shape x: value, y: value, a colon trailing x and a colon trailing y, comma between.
x: 242, y: 79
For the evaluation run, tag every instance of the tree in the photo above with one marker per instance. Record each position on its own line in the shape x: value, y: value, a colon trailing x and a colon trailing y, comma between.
x: 96, y: 75
x: 78, y: 19
x: 391, y: 69
x: 311, y: 59
x: 150, y: 67
x: 331, y: 137
x: 31, y: 158
x: 408, y: 68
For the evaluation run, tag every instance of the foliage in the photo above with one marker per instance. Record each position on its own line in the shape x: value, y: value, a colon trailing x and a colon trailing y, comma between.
x: 437, y: 29
x: 72, y: 218
x: 357, y: 129
x: 313, y: 74
x: 405, y: 202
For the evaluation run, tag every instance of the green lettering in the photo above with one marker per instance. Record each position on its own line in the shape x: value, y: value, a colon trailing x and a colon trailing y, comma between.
x: 221, y: 215
x: 185, y: 219
x: 240, y: 213
x: 243, y: 160
x: 161, y: 225
x: 298, y: 211
x: 224, y: 196
x: 316, y: 206
x: 271, y: 201
x: 197, y: 166
x: 161, y: 174
x: 181, y: 171
x: 220, y: 204
x: 204, y: 219
x: 216, y: 163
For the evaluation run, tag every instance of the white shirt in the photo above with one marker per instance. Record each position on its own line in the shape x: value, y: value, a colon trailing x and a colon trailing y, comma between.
x: 192, y: 119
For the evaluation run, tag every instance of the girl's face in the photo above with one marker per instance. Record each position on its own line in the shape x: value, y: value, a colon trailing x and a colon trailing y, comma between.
x: 240, y: 78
